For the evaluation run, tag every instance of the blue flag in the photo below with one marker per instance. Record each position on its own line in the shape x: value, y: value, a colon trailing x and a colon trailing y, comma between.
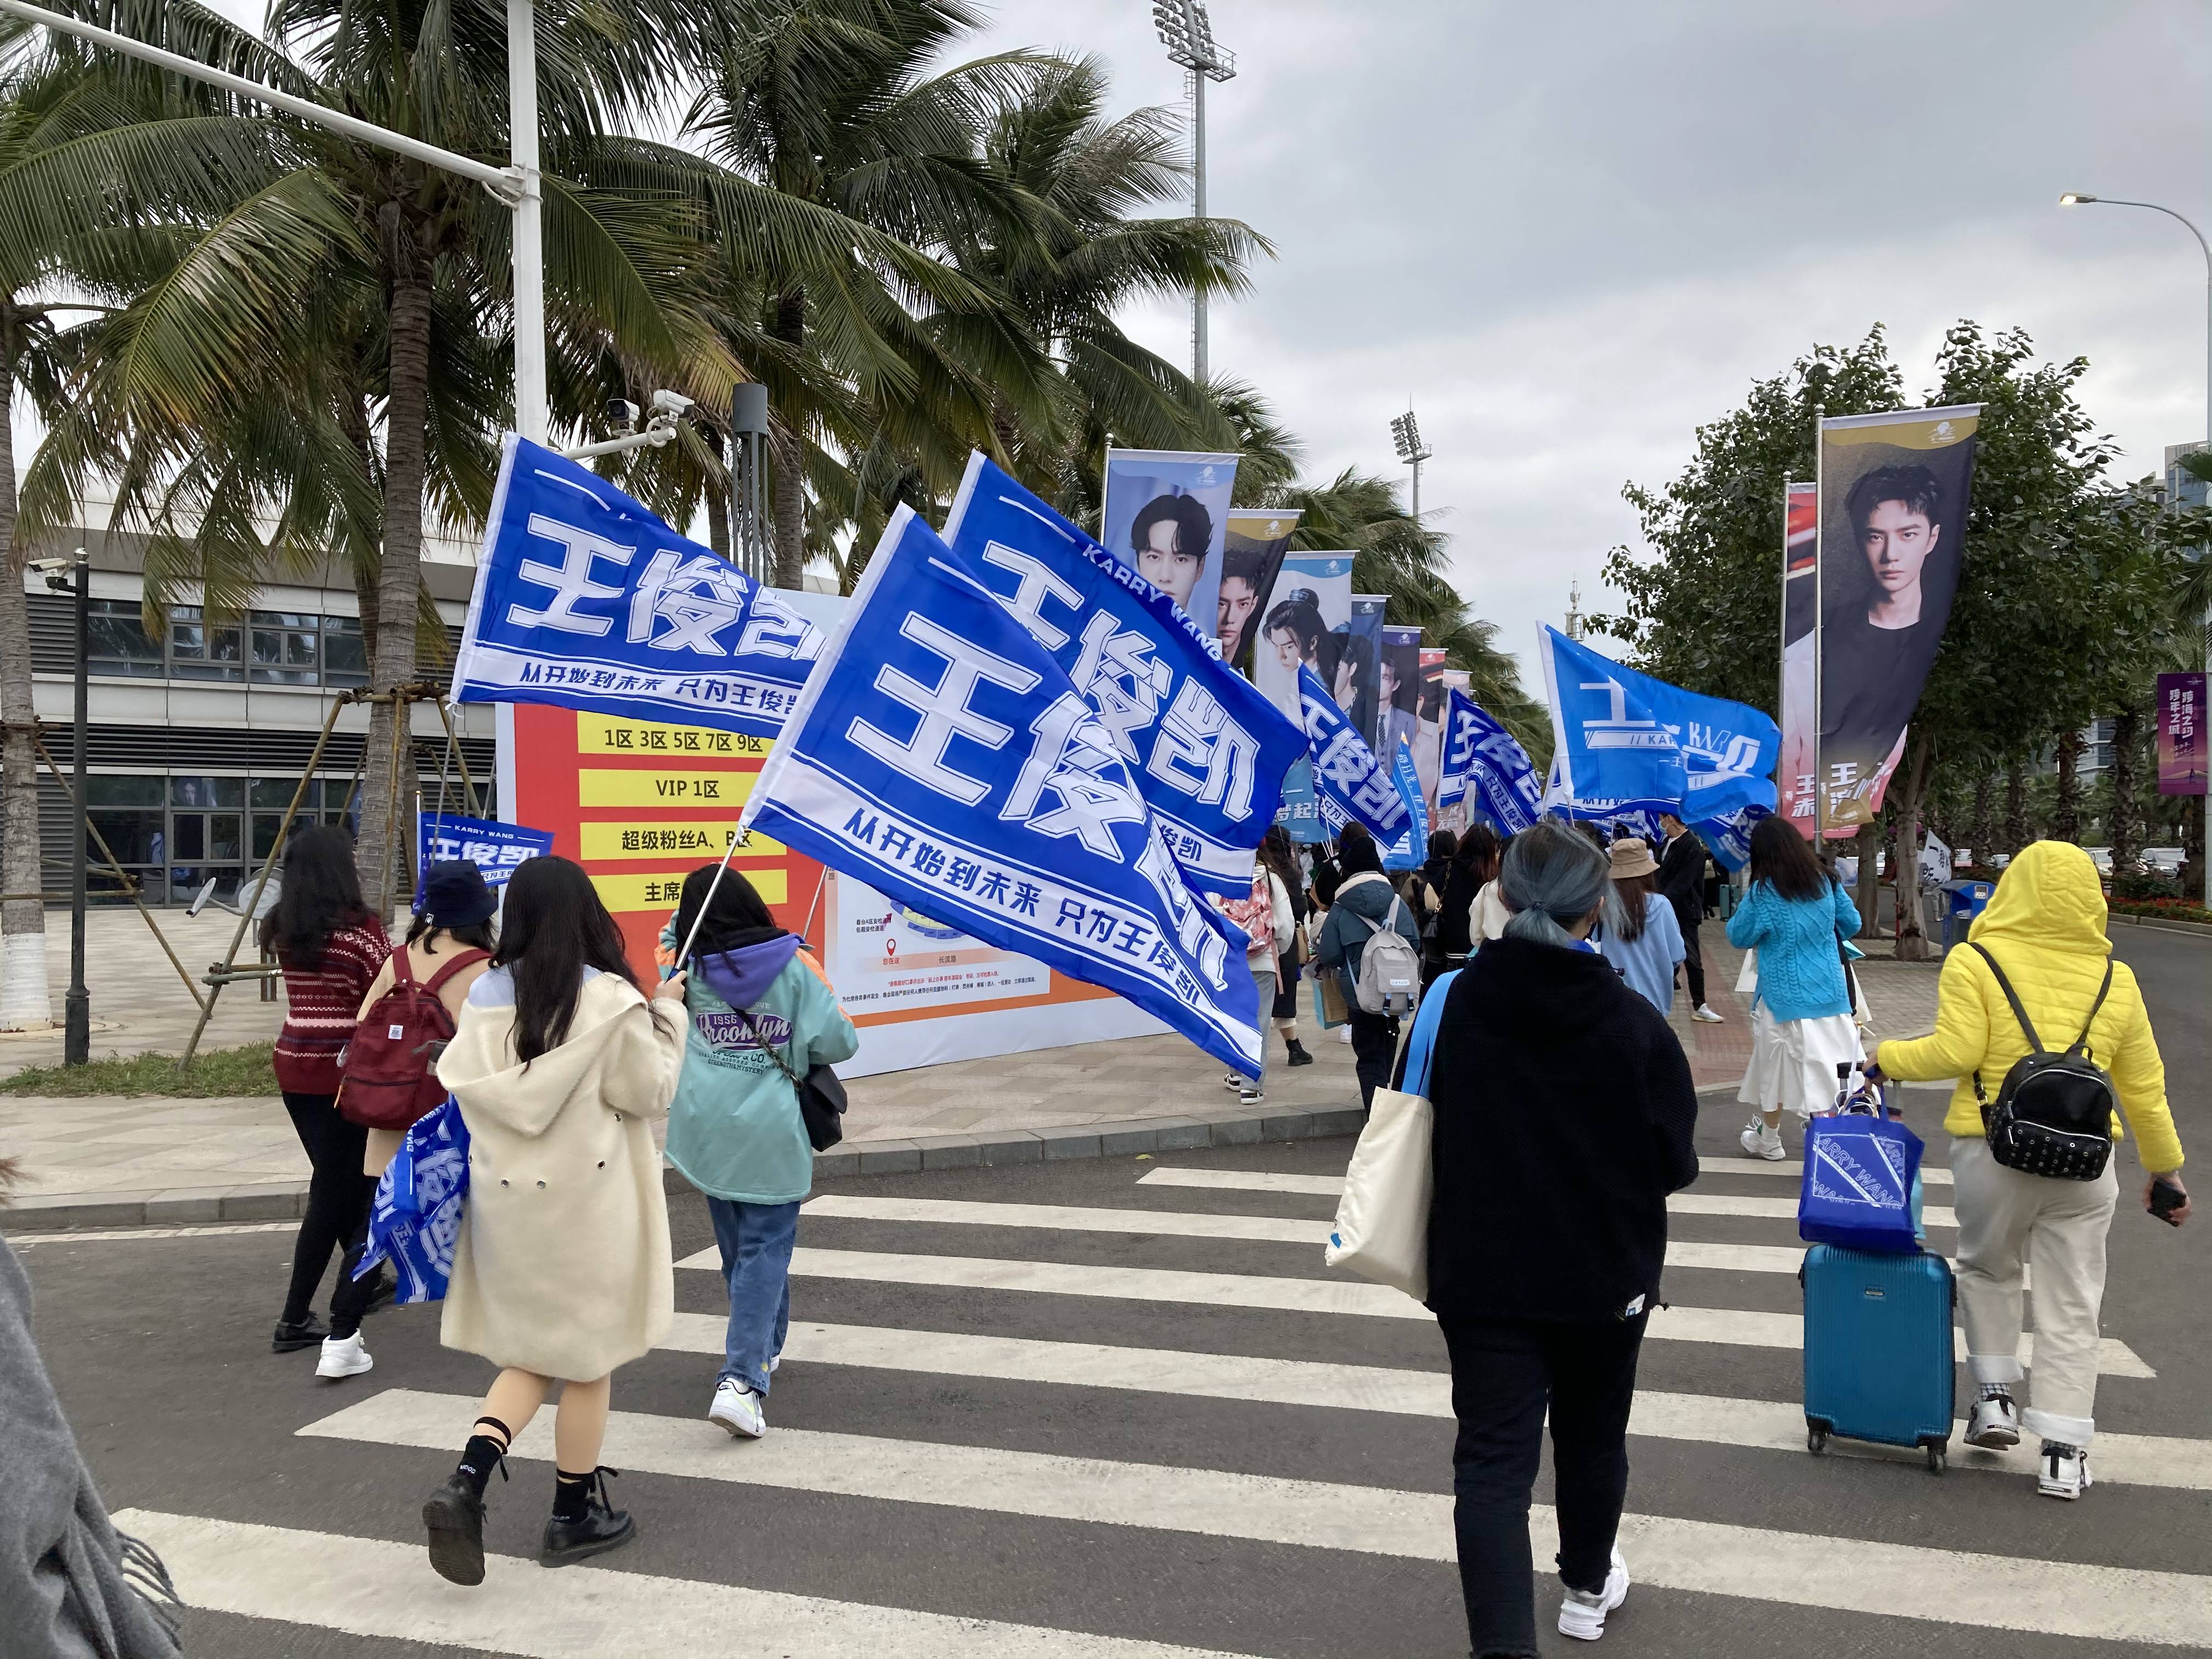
x: 1411, y: 849
x: 942, y: 756
x: 1481, y: 757
x: 586, y: 600
x: 1624, y: 736
x: 1348, y: 781
x: 1207, y: 751
x: 494, y: 849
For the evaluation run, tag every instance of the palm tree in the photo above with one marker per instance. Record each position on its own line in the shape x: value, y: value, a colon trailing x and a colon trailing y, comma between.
x: 338, y: 289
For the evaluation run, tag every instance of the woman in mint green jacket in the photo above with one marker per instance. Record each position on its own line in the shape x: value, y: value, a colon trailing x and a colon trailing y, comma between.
x: 734, y: 1130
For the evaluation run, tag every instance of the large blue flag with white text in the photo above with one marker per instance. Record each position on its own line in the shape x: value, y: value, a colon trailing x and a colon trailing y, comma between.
x: 1411, y: 849
x: 584, y: 599
x: 1208, y: 752
x: 941, y: 754
x: 1483, y: 760
x: 1624, y: 736
x: 1349, y: 783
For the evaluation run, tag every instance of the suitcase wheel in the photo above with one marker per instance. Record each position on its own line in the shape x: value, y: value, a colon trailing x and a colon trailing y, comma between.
x: 1816, y: 1437
x: 1935, y: 1458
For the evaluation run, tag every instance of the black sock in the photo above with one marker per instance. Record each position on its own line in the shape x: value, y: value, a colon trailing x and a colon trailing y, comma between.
x: 572, y: 1495
x: 483, y: 1452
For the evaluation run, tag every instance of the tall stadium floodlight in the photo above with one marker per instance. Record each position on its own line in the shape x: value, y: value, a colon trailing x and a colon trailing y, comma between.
x: 1187, y: 33
x: 1406, y: 433
x: 516, y: 185
x: 2074, y: 198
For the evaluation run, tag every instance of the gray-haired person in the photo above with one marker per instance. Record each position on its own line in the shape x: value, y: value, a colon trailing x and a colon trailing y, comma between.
x: 1563, y: 1117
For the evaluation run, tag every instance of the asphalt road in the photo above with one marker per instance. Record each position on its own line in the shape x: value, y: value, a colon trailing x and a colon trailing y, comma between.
x: 1020, y: 1432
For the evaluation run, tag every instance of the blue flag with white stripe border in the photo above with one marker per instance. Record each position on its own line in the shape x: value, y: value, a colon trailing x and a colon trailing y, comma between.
x: 1484, y: 761
x: 1349, y: 782
x: 584, y: 599
x: 1209, y: 752
x: 941, y: 754
x: 1410, y: 850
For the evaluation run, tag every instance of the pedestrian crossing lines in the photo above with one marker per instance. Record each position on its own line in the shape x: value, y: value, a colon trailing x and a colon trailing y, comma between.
x: 1235, y: 1452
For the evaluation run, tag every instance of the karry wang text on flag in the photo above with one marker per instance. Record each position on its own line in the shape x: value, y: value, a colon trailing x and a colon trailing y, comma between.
x: 1349, y: 783
x: 941, y: 754
x: 1206, y: 750
x: 584, y: 599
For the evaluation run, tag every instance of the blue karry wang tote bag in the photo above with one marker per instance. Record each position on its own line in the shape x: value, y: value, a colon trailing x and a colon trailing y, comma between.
x: 1861, y: 1172
x: 416, y: 1218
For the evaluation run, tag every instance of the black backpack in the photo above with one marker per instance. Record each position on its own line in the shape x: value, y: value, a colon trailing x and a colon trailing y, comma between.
x: 2053, y: 1112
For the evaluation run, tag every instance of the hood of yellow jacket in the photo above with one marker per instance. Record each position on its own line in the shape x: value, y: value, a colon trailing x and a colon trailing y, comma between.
x: 2050, y: 896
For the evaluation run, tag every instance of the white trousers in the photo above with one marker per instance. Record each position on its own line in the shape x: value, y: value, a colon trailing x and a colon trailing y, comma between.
x: 2058, y: 1227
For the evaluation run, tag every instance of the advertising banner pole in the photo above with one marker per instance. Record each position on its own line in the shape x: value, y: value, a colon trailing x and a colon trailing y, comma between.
x: 1820, y: 574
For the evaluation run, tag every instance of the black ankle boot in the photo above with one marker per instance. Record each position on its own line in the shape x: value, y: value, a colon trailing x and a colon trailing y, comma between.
x: 454, y: 1517
x: 292, y: 1335
x: 1298, y: 1054
x: 601, y: 1529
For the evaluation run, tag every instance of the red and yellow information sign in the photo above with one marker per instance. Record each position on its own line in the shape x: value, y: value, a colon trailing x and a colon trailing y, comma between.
x: 641, y: 805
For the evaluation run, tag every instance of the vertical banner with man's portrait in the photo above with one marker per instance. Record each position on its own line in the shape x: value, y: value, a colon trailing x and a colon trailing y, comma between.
x: 1794, y: 778
x: 1357, y: 682
x: 1251, y: 559
x: 1437, y: 681
x: 1299, y: 629
x: 1398, y: 700
x: 1166, y: 516
x: 1893, y: 529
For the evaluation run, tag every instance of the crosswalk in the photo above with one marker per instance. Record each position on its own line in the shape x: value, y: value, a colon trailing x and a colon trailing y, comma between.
x: 1015, y: 1410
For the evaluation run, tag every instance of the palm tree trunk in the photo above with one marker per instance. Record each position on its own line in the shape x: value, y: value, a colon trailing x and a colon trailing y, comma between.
x: 387, y: 821
x: 2015, y: 819
x: 2127, y: 732
x: 2066, y: 803
x: 26, y: 998
x: 1983, y: 828
x: 1867, y: 846
x: 1912, y: 937
x: 788, y: 503
x: 353, y: 421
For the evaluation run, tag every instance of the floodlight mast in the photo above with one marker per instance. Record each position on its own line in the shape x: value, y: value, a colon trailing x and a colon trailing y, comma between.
x: 1406, y: 434
x: 1187, y: 33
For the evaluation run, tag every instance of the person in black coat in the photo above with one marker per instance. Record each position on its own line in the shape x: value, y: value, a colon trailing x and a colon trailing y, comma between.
x: 1564, y: 1114
x: 1473, y: 866
x: 1682, y: 884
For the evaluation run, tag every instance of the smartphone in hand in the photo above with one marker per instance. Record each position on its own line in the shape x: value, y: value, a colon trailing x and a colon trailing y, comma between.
x: 2165, y: 1199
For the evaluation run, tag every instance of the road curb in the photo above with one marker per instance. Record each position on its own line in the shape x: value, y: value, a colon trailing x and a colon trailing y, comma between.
x: 2165, y: 925
x: 1120, y: 1138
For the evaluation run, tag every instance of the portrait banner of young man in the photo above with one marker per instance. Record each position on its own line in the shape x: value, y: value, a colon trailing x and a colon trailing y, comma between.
x: 1166, y: 515
x: 1892, y: 528
x: 1251, y: 559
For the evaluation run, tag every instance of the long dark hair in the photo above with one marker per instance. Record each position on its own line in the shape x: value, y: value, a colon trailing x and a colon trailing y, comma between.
x: 321, y: 897
x: 1299, y: 615
x: 479, y: 936
x: 1279, y: 853
x: 555, y: 928
x: 738, y: 908
x: 1479, y: 852
x: 1785, y: 861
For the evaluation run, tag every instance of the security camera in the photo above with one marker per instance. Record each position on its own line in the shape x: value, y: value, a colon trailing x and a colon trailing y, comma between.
x: 670, y: 402
x: 48, y: 566
x: 622, y: 413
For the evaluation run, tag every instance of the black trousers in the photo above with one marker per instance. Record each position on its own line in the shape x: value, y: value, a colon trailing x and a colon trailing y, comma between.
x: 1693, y: 962
x: 339, y: 1197
x: 1374, y: 1049
x: 1505, y: 1374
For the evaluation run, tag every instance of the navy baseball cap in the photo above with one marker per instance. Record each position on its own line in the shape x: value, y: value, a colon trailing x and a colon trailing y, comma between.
x: 455, y: 895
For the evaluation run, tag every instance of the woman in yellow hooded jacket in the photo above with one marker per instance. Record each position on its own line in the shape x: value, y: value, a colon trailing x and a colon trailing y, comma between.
x: 2045, y: 928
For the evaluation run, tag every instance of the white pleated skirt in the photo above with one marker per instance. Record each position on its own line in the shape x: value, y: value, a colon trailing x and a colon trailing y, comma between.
x: 1793, y: 1062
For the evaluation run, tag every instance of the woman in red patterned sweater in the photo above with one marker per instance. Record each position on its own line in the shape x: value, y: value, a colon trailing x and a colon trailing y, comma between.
x: 332, y: 946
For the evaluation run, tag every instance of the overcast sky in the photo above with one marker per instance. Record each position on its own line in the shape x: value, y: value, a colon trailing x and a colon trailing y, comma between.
x: 1571, y: 233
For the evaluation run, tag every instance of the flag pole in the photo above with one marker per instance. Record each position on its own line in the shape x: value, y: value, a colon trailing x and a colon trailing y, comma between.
x: 705, y: 905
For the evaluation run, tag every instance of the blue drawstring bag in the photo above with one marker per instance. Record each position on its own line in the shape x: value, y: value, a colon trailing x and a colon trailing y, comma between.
x: 1862, y: 1182
x: 416, y: 1219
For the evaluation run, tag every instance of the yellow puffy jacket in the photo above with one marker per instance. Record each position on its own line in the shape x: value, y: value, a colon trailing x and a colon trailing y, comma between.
x: 2046, y: 926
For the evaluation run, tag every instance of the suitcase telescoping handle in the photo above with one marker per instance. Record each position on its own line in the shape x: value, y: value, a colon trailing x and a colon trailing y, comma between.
x: 1852, y: 1087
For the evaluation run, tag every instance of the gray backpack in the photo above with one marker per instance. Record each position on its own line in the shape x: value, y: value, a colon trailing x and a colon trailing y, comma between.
x: 1389, y: 967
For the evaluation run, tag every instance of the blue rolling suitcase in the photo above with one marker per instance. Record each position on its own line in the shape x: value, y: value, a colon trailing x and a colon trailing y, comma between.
x: 1878, y: 1356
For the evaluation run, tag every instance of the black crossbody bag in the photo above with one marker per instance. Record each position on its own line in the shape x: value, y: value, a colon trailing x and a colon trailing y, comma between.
x: 821, y: 1094
x: 2053, y: 1112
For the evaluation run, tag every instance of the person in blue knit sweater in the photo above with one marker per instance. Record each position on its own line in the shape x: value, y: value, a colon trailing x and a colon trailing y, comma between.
x: 1801, y: 1030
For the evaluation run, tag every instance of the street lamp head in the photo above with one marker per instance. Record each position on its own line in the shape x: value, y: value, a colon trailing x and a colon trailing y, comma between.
x: 1187, y: 33
x: 1406, y: 434
x: 2074, y: 199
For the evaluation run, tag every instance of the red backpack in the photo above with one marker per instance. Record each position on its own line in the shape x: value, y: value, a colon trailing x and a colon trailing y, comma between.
x: 391, y: 1064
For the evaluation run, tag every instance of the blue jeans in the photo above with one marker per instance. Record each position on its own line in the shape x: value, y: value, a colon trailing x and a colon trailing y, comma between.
x: 755, y: 1241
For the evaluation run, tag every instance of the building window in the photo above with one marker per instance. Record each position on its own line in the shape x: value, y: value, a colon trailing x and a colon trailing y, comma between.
x: 117, y: 642
x: 286, y: 649
x: 199, y: 651
x: 345, y: 657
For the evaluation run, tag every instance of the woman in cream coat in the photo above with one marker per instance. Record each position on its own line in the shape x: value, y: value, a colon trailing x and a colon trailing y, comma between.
x: 562, y: 1269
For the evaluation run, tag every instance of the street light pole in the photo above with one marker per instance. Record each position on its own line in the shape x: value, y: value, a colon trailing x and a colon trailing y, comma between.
x: 1406, y: 433
x: 2075, y: 199
x: 530, y: 412
x: 1187, y: 33
x: 76, y: 1015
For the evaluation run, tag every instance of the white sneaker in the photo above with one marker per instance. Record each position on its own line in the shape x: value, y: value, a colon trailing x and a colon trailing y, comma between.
x: 737, y: 1409
x: 1582, y: 1614
x: 1993, y: 1422
x: 1344, y: 1033
x: 344, y: 1356
x: 1759, y: 1141
x: 1703, y: 1015
x: 1249, y: 1093
x: 1231, y: 1080
x: 2064, y: 1471
x: 774, y: 1360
